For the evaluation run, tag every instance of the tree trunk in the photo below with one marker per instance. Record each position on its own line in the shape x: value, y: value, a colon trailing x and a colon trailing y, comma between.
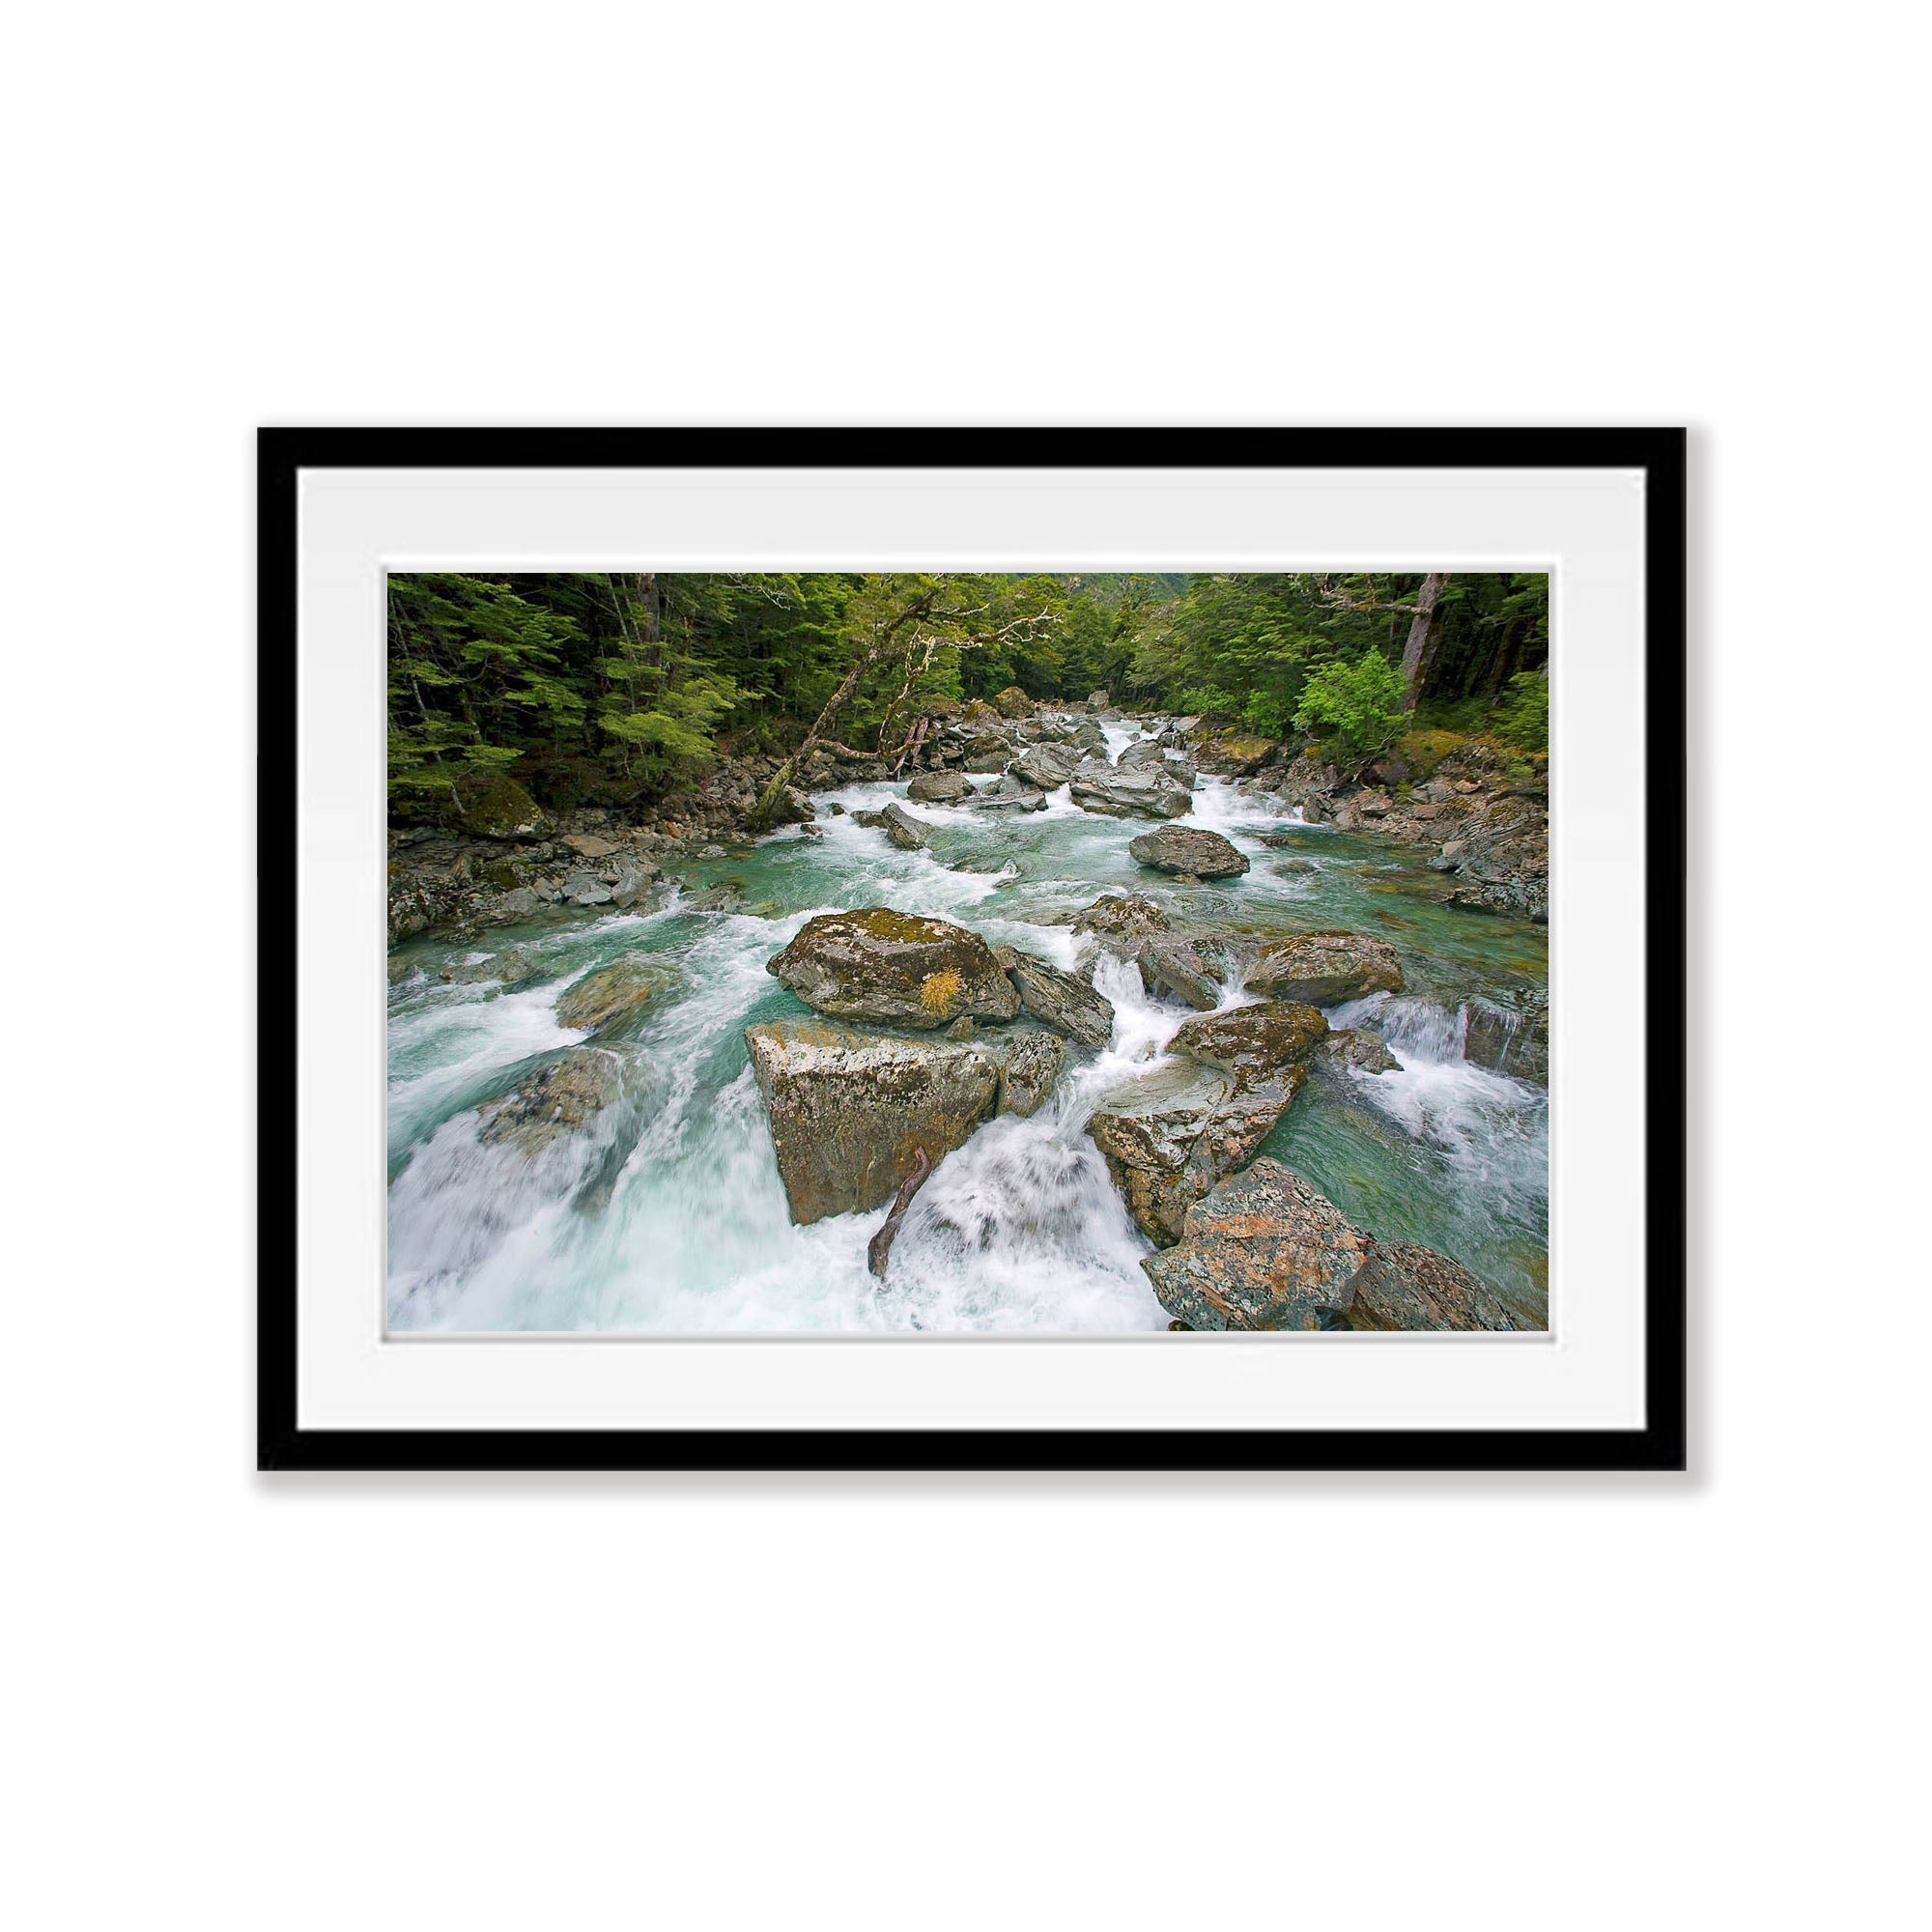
x: 882, y: 643
x: 1420, y: 651
x: 881, y: 1244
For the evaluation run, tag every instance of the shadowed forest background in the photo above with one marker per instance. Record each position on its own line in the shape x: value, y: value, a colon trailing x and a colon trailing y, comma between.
x: 610, y: 689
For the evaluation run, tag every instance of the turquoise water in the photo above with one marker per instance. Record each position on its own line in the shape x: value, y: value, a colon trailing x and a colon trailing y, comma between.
x: 665, y: 1212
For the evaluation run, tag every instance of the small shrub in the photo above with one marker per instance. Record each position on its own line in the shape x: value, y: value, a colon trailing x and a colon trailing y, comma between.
x: 937, y: 992
x: 1522, y: 719
x: 1361, y: 702
x: 1266, y: 714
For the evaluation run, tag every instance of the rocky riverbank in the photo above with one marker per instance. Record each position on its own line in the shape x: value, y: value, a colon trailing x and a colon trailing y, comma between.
x: 1480, y: 818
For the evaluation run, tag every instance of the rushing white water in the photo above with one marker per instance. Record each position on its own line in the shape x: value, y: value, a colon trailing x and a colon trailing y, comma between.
x: 666, y: 1210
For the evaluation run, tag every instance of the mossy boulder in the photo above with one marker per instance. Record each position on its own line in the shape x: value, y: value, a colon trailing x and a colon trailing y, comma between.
x: 1231, y: 754
x: 1012, y: 702
x: 1354, y: 1050
x: 940, y: 788
x: 1123, y: 915
x: 896, y: 967
x: 491, y: 804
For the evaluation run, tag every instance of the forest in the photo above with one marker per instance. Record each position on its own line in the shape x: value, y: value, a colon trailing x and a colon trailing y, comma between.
x: 610, y: 689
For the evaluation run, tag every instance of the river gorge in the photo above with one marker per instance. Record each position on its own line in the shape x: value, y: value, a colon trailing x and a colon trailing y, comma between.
x: 655, y: 1202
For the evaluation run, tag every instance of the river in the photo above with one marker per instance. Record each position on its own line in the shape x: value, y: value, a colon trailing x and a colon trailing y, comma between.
x: 666, y: 1211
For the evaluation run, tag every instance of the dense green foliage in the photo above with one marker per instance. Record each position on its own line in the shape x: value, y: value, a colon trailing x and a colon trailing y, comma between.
x: 611, y: 687
x: 1361, y: 702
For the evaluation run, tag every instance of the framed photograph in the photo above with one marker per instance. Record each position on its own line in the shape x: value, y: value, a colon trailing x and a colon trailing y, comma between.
x: 970, y: 949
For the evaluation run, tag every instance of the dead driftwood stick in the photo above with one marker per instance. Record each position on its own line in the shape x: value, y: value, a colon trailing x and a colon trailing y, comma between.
x: 881, y: 1243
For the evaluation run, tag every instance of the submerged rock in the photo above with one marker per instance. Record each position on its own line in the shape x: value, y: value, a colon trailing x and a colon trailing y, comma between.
x: 1262, y: 1251
x: 1324, y: 968
x: 557, y: 1099
x: 1190, y: 848
x: 508, y: 967
x: 903, y: 828
x: 1403, y: 1285
x: 850, y: 1111
x: 613, y: 993
x: 939, y: 788
x: 1134, y: 793
x: 1059, y: 1000
x: 878, y: 964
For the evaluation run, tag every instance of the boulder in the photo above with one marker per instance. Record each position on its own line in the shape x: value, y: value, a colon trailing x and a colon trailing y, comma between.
x: 878, y: 964
x: 506, y: 967
x: 792, y: 807
x: 559, y: 1099
x: 1012, y: 702
x: 1190, y: 848
x: 939, y: 788
x: 1030, y: 1066
x: 1179, y: 970
x: 581, y: 888
x: 1405, y: 1286
x: 1045, y: 765
x: 588, y: 845
x: 850, y: 1111
x: 1134, y: 793
x: 1149, y: 755
x: 1262, y: 1251
x: 612, y: 994
x: 903, y: 828
x: 1231, y: 754
x: 1089, y: 740
x: 1252, y: 1044
x: 1170, y: 1135
x: 1354, y: 1049
x: 1127, y: 915
x: 519, y: 904
x: 977, y: 711
x: 1509, y: 1033
x: 491, y: 804
x: 1059, y: 1000
x: 1320, y: 969
x: 1009, y: 794
x: 1099, y: 701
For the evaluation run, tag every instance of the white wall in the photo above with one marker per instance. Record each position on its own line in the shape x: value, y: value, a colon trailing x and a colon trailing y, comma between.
x: 1383, y: 1702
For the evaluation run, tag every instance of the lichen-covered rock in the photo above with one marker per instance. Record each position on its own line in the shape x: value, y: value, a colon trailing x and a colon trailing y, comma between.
x: 1170, y: 1135
x: 878, y: 964
x: 1030, y: 1068
x: 1045, y: 765
x: 1190, y: 848
x: 903, y: 828
x: 1123, y: 915
x: 1059, y: 1000
x: 493, y: 804
x: 1134, y: 793
x: 559, y: 1099
x: 1401, y: 1285
x: 1261, y: 1251
x: 1099, y: 701
x: 1354, y: 1049
x: 1252, y: 1043
x: 506, y: 967
x: 1012, y: 702
x: 1321, y: 969
x: 850, y: 1111
x: 939, y: 788
x: 614, y: 993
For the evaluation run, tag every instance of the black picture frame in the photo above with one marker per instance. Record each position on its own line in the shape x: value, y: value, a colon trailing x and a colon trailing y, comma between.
x: 1660, y: 1444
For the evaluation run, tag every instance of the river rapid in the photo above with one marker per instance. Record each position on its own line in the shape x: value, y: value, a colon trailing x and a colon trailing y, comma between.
x: 667, y: 1212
